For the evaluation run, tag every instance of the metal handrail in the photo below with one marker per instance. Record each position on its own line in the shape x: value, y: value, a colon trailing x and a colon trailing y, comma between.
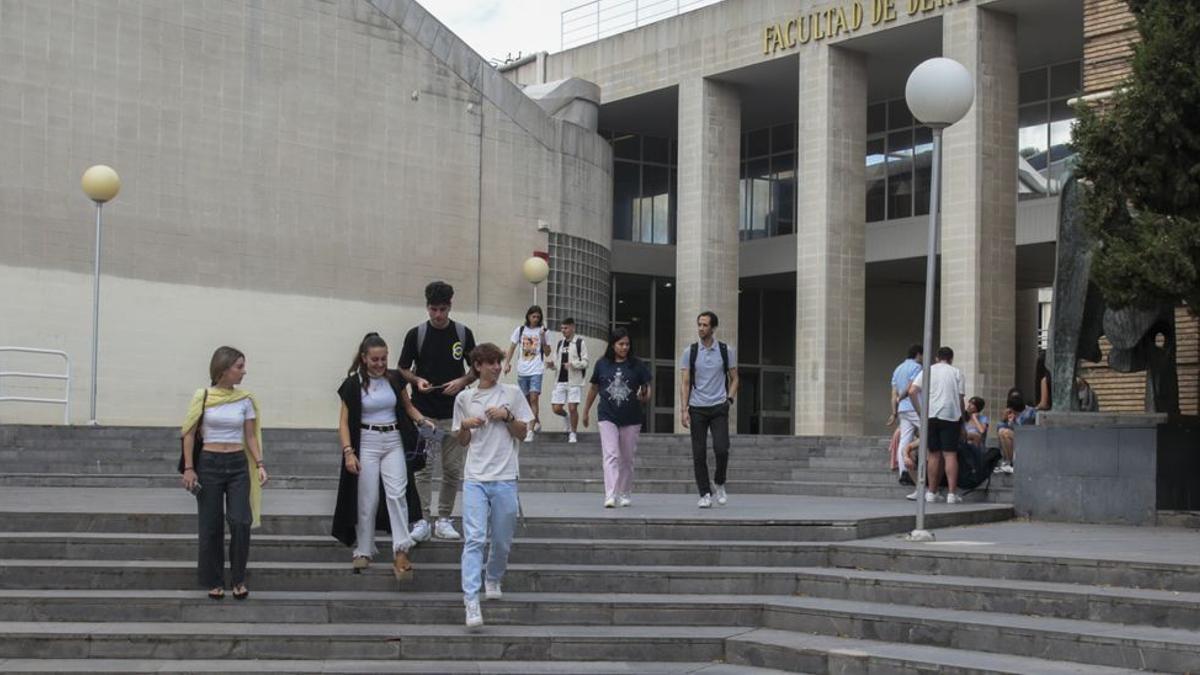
x: 596, y: 19
x: 65, y: 401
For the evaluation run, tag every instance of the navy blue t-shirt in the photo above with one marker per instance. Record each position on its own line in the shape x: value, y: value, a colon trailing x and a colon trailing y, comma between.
x: 618, y: 384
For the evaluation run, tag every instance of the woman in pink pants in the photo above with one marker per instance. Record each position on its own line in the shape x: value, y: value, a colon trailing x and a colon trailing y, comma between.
x: 623, y: 383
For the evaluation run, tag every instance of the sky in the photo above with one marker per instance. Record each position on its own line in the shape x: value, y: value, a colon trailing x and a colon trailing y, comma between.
x: 497, y: 28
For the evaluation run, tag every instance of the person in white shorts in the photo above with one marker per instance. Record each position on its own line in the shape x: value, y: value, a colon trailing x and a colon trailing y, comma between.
x: 570, y: 362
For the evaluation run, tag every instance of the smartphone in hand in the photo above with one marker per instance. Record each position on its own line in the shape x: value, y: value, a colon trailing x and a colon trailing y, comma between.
x: 195, y: 489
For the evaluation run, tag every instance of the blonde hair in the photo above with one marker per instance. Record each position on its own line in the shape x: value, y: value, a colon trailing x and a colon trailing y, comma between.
x: 222, y: 360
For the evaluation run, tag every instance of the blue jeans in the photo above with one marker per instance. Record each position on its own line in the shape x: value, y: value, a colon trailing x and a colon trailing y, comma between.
x: 489, y: 507
x: 529, y: 383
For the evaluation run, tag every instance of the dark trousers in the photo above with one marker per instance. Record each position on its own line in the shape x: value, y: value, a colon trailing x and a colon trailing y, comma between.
x: 224, y: 496
x: 701, y: 420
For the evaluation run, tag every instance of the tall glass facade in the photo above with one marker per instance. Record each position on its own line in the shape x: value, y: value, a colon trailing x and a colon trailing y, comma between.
x: 768, y: 191
x: 644, y: 180
x: 766, y: 359
x: 1045, y: 120
x: 645, y: 306
x: 899, y: 154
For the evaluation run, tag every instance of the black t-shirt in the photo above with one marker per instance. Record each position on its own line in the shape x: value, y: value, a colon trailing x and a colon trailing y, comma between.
x: 618, y: 384
x: 564, y: 359
x: 442, y: 358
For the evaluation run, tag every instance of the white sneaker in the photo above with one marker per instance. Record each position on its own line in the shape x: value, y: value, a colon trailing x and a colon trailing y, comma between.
x: 932, y: 497
x: 610, y: 502
x: 912, y: 496
x: 625, y: 500
x: 721, y: 496
x: 705, y: 502
x: 1007, y: 468
x: 953, y: 498
x: 444, y: 529
x: 571, y: 438
x: 491, y: 590
x: 537, y: 426
x: 529, y: 434
x: 420, y: 530
x: 474, y: 614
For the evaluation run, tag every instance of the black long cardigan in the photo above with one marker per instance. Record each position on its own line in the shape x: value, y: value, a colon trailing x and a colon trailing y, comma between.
x: 345, y: 514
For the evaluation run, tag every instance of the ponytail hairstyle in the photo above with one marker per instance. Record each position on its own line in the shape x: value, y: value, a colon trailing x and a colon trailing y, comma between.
x: 357, y: 367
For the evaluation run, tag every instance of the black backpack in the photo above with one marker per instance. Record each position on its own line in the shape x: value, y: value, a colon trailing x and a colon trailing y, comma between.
x: 975, y: 466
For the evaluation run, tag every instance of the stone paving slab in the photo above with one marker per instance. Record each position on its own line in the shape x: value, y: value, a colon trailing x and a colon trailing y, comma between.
x: 240, y: 667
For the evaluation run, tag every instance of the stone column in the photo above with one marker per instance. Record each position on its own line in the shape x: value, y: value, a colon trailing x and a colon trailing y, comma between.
x: 830, y: 265
x: 979, y: 197
x: 706, y: 250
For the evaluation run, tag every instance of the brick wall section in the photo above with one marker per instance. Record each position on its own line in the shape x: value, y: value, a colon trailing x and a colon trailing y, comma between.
x: 1125, y: 392
x: 1108, y: 37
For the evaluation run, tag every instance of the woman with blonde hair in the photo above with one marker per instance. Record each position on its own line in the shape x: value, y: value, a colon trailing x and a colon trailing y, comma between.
x: 222, y: 437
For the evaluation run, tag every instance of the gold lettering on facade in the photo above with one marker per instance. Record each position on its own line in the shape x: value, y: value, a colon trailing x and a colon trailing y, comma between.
x: 844, y: 18
x: 805, y: 29
x: 789, y: 33
x: 856, y: 17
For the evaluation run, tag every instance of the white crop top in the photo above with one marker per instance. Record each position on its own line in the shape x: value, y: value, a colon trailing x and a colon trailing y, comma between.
x: 379, y: 402
x: 226, y: 423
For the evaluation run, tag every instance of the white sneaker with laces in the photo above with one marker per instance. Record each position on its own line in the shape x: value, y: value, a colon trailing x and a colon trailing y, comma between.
x: 625, y: 500
x: 491, y: 590
x: 610, y: 502
x: 722, y: 498
x: 931, y: 497
x: 912, y: 496
x: 474, y: 614
x: 953, y: 498
x: 529, y: 434
x: 444, y: 529
x: 420, y: 530
x: 705, y: 502
x: 571, y: 438
x: 1007, y: 468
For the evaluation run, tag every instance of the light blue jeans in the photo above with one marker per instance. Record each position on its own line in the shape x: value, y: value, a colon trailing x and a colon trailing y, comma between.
x: 488, y: 508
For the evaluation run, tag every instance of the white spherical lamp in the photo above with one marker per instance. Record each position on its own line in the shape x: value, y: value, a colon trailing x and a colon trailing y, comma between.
x: 939, y: 92
x: 101, y: 183
x: 536, y: 270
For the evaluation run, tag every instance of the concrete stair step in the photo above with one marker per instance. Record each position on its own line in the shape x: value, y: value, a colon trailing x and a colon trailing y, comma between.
x: 74, y: 640
x: 1100, y: 644
x: 828, y: 654
x: 408, y: 667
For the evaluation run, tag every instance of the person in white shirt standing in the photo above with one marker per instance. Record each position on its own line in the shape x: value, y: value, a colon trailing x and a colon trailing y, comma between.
x: 946, y: 391
x: 489, y: 420
x: 571, y: 368
x: 535, y: 347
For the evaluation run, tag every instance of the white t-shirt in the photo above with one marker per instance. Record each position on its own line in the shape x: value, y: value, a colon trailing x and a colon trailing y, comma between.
x: 226, y: 423
x: 530, y: 360
x: 945, y: 392
x: 492, y: 455
x: 379, y: 402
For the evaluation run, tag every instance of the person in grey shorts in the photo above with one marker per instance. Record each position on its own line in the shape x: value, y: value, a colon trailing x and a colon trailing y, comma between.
x: 707, y: 389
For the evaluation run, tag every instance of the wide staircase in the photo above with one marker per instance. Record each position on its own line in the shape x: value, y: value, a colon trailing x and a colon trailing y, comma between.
x: 97, y: 575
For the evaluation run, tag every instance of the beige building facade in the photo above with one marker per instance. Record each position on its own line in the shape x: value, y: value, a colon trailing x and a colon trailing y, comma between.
x: 825, y: 192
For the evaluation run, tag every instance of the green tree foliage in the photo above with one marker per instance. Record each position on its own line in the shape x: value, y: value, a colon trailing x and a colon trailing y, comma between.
x: 1140, y: 154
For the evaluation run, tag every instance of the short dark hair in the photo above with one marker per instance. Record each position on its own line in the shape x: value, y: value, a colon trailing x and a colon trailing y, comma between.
x: 438, y: 293
x: 486, y: 353
x: 945, y: 354
x: 567, y: 322
x: 712, y: 318
x: 915, y: 351
x: 1015, y: 400
x: 977, y: 402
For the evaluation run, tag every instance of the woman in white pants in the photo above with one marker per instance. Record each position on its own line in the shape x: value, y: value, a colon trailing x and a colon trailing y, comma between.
x: 375, y: 426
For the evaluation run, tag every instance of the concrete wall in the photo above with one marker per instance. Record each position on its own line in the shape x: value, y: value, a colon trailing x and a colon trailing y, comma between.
x: 295, y: 172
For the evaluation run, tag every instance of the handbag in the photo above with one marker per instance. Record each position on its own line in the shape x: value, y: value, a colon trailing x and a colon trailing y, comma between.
x: 429, y: 442
x: 197, y: 437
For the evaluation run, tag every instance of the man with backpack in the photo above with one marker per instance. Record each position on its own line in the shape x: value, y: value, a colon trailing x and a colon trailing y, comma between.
x: 707, y: 389
x: 432, y: 361
x: 572, y: 371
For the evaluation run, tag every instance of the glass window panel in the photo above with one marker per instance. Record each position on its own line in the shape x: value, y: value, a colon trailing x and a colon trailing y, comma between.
x: 758, y: 143
x: 900, y: 175
x: 654, y: 203
x: 664, y: 321
x: 783, y: 138
x: 1032, y: 85
x: 779, y: 328
x: 633, y: 311
x: 655, y: 149
x: 787, y: 205
x: 672, y: 205
x: 1064, y: 80
x: 626, y: 186
x: 749, y: 309
x: 1032, y: 134
x: 1062, y: 119
x: 898, y: 114
x: 776, y: 391
x: 876, y: 180
x: 922, y: 169
x: 877, y: 118
x: 759, y: 171
x: 777, y: 426
x: 625, y: 146
x: 664, y: 386
x: 663, y: 423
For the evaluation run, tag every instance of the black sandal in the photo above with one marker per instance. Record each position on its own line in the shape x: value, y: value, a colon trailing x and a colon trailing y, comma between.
x: 245, y: 592
x: 216, y: 594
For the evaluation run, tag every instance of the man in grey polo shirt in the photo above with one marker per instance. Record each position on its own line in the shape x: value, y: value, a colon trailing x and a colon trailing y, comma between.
x: 707, y: 388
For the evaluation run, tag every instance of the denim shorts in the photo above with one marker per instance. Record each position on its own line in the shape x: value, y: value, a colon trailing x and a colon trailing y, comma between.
x: 529, y: 383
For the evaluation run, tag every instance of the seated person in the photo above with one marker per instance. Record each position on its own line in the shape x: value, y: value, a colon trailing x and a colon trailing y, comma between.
x: 975, y: 423
x: 1017, y: 413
